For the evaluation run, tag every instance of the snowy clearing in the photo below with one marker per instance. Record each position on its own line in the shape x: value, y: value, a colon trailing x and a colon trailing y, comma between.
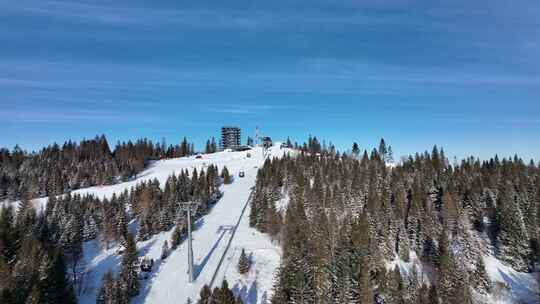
x: 508, y: 285
x: 519, y: 287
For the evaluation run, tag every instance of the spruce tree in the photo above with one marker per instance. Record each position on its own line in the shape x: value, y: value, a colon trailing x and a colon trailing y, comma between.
x: 383, y: 150
x: 243, y: 263
x: 107, y: 292
x: 512, y: 241
x: 205, y: 295
x: 128, y: 274
x: 227, y: 179
x: 395, y: 286
x: 7, y: 235
x: 208, y: 148
x: 296, y: 273
x: 224, y: 295
x: 56, y: 287
x: 355, y: 150
x: 480, y: 279
x: 72, y: 239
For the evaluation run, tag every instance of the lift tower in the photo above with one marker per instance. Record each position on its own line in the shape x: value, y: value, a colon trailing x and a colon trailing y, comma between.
x: 190, y: 207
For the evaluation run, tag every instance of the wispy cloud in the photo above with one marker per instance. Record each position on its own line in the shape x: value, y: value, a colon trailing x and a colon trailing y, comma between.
x: 244, y: 109
x: 383, y: 72
x: 130, y: 14
x: 33, y: 115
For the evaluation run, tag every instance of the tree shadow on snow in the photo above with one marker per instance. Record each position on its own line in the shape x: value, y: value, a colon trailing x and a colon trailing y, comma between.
x: 146, y: 284
x: 248, y: 296
x: 197, y: 268
x: 91, y: 280
x: 517, y: 287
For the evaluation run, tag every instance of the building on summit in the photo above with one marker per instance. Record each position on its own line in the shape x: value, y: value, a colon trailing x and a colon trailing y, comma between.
x: 230, y: 138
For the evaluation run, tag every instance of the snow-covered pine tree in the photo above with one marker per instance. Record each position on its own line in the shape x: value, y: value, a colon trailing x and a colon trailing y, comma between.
x: 72, y: 240
x: 512, y: 239
x: 57, y: 287
x: 296, y: 273
x: 395, y: 287
x: 480, y: 278
x: 128, y: 274
x: 90, y: 229
x: 107, y: 292
x: 121, y: 226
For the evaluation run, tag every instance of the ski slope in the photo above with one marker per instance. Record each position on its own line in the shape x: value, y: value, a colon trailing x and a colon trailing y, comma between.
x: 162, y: 169
x: 265, y: 255
x: 170, y: 284
x: 168, y: 281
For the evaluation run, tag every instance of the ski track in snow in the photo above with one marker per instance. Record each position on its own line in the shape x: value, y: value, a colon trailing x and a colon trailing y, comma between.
x: 256, y: 285
x: 168, y: 281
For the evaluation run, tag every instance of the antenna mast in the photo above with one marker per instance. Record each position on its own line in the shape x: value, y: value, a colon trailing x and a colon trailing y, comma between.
x: 256, y: 135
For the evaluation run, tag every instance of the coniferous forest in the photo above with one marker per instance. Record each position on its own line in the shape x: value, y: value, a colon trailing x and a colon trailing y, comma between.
x: 270, y: 152
x: 351, y: 219
x: 59, y: 169
x: 349, y: 216
x: 41, y: 252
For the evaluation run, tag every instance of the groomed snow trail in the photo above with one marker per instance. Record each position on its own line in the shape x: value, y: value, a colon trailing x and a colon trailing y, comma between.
x: 169, y: 282
x: 265, y: 255
x: 210, y: 238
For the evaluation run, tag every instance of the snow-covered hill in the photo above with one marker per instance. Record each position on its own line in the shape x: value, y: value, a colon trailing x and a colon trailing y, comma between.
x: 168, y: 282
x: 162, y: 169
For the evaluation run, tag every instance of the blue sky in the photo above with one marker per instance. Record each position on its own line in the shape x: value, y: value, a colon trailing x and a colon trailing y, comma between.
x: 461, y: 74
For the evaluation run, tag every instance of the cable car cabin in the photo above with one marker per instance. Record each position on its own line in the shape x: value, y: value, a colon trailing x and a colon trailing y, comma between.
x: 266, y: 142
x: 147, y: 264
x: 241, y: 174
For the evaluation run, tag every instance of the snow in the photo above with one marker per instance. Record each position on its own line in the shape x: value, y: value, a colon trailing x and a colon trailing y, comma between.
x: 97, y: 262
x: 283, y: 202
x: 509, y: 285
x: 170, y: 284
x: 406, y: 268
x: 162, y: 169
x: 520, y: 287
x: 168, y: 281
x: 265, y: 255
